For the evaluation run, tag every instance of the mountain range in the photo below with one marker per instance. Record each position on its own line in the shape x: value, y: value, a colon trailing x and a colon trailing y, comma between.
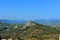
x: 50, y: 22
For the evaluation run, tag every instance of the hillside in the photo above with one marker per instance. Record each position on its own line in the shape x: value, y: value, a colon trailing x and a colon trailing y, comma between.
x: 28, y: 29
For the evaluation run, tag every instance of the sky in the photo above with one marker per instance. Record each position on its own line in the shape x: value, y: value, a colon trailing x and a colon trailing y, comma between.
x: 29, y: 9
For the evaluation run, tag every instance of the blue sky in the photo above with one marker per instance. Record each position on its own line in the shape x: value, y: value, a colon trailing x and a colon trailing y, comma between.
x: 29, y: 9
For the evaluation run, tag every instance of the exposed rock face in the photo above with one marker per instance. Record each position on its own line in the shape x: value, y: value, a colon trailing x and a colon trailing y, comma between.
x: 16, y: 26
x: 28, y: 24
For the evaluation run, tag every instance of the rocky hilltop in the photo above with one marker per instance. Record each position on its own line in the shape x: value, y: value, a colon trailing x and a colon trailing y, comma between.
x: 29, y: 29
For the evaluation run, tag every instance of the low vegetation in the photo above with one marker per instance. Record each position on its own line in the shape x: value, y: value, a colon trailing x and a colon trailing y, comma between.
x: 28, y: 31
